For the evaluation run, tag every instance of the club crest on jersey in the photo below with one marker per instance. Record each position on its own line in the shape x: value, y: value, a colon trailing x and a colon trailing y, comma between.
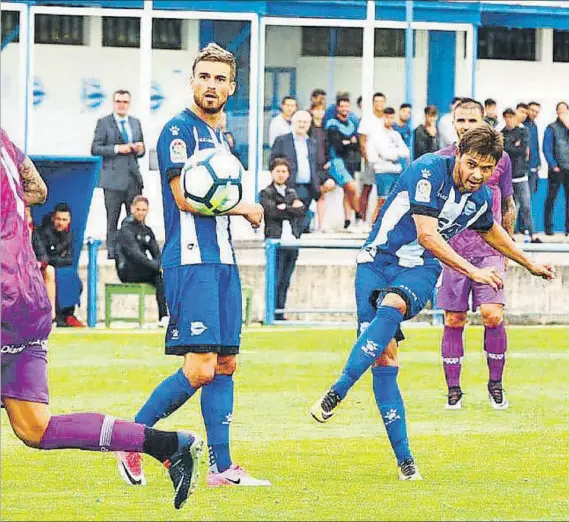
x: 423, y: 191
x: 175, y: 130
x: 470, y: 208
x: 178, y: 151
x: 426, y: 173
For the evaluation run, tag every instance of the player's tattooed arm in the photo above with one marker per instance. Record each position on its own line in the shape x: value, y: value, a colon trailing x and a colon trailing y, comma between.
x: 508, y: 214
x: 35, y: 190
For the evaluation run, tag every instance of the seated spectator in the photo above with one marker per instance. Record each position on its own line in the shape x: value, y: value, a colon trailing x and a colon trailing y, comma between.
x: 284, y: 215
x: 327, y: 184
x: 426, y: 135
x: 345, y: 158
x: 47, y: 270
x: 57, y: 239
x: 491, y: 112
x: 300, y: 152
x: 384, y: 153
x: 138, y: 256
x: 282, y: 123
x: 516, y: 143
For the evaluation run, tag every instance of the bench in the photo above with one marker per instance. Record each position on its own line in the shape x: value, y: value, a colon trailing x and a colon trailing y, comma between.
x: 144, y: 289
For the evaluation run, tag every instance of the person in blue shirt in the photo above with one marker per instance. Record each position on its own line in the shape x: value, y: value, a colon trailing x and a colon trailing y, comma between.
x: 201, y: 279
x: 398, y: 266
x: 403, y: 125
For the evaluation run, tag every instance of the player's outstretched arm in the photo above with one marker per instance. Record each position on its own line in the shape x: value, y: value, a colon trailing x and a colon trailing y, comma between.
x: 500, y: 240
x: 35, y: 190
x: 429, y: 238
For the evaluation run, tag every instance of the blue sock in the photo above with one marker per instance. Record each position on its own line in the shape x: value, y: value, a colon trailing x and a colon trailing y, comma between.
x: 184, y: 438
x: 217, y: 412
x: 369, y: 346
x: 392, y: 409
x: 166, y: 398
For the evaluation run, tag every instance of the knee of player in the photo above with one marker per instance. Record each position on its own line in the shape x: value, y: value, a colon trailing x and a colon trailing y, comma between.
x: 226, y: 365
x: 455, y: 319
x: 201, y: 376
x: 389, y: 356
x: 492, y: 318
x: 395, y: 301
x: 30, y: 431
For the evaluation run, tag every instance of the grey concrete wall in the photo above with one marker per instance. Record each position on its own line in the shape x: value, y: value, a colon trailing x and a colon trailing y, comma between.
x: 325, y: 285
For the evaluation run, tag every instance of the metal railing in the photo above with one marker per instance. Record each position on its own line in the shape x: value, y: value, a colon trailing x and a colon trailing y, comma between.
x: 272, y: 247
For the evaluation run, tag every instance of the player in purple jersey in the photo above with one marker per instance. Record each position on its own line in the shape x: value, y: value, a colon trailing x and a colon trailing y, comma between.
x: 26, y: 324
x: 455, y: 288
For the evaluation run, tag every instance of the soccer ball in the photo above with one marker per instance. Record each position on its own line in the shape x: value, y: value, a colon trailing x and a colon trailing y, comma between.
x: 211, y: 181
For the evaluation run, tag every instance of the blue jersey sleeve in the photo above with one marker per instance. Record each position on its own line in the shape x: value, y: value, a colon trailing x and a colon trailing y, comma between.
x: 425, y: 177
x: 175, y: 145
x: 486, y: 220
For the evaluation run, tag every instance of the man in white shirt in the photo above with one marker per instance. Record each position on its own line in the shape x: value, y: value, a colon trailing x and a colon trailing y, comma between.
x: 282, y: 122
x: 447, y: 133
x: 369, y: 124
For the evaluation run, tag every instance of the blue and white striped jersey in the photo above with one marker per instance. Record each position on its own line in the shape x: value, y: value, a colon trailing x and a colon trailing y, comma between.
x: 426, y: 188
x: 190, y: 238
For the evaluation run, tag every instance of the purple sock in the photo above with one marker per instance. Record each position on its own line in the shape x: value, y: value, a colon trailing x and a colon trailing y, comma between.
x: 93, y: 432
x: 495, y: 344
x: 452, y: 352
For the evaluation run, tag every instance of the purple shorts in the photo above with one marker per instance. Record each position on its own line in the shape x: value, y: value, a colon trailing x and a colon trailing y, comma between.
x: 454, y: 288
x: 24, y: 371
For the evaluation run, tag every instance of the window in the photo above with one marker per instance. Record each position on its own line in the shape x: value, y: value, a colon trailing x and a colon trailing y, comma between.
x: 59, y: 29
x: 167, y: 33
x: 502, y: 43
x: 560, y: 46
x: 121, y: 31
x: 389, y: 43
x: 10, y: 20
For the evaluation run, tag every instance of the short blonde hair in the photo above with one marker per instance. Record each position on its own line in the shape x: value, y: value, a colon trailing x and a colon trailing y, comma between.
x: 215, y: 53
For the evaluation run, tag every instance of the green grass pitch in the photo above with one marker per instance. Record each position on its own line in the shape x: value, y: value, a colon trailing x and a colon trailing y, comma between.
x: 478, y: 464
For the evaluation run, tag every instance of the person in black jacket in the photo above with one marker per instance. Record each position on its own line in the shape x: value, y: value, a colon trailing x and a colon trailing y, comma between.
x: 282, y: 204
x: 138, y: 256
x: 426, y: 135
x: 57, y: 238
x: 516, y: 144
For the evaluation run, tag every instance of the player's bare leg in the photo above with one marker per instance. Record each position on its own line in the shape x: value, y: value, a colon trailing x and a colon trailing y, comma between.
x: 37, y: 428
x: 495, y: 346
x: 452, y: 350
x: 49, y: 279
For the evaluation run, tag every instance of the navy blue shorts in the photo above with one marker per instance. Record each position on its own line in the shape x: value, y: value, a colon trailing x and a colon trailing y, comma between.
x: 204, y: 302
x: 382, y: 276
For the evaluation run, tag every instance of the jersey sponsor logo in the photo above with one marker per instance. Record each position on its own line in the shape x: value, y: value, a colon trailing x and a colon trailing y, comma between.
x: 470, y: 208
x: 178, y: 151
x: 423, y: 191
x: 197, y: 328
x: 12, y: 348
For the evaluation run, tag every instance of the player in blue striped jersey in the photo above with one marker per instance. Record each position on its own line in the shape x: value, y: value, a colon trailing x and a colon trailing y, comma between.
x: 398, y: 267
x: 201, y: 279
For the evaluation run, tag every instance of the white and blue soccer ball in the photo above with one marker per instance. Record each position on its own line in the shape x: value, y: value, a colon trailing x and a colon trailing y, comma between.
x: 211, y: 181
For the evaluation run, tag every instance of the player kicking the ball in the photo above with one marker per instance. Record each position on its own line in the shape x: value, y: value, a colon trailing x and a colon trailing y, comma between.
x: 26, y: 324
x: 201, y: 279
x: 398, y: 267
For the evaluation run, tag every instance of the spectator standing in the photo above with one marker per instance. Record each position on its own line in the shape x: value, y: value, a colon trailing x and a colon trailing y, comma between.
x: 345, y: 157
x: 491, y: 112
x: 426, y: 137
x: 318, y: 98
x: 384, y: 152
x: 326, y: 183
x: 534, y: 152
x: 281, y: 124
x: 300, y: 152
x: 281, y: 205
x: 447, y: 131
x: 516, y: 145
x: 119, y: 140
x: 138, y: 257
x: 57, y: 239
x: 370, y: 125
x: 556, y: 152
x: 401, y: 124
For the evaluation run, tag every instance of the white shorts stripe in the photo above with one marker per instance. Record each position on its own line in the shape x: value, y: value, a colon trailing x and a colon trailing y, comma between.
x: 190, y: 253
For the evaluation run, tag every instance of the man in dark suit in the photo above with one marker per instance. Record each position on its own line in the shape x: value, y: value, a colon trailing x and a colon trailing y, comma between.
x: 300, y: 152
x: 281, y: 205
x: 119, y: 140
